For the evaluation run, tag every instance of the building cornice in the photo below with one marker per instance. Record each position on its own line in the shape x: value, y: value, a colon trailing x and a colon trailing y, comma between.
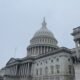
x: 31, y: 58
x: 62, y: 49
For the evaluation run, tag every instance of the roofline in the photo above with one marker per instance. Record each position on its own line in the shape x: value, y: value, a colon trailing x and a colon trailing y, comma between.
x: 62, y: 49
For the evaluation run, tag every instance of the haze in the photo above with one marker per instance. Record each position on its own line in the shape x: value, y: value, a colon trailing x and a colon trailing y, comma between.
x: 20, y: 19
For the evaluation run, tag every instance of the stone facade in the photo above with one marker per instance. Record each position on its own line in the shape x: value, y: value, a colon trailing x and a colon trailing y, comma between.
x: 76, y: 52
x: 1, y: 78
x: 45, y: 60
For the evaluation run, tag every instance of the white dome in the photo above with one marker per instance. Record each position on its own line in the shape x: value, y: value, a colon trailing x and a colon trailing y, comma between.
x: 44, y: 36
x: 43, y: 41
x: 44, y: 31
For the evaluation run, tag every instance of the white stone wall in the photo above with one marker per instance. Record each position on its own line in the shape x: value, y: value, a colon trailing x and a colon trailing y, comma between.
x: 77, y: 71
x: 2, y: 72
x: 64, y: 62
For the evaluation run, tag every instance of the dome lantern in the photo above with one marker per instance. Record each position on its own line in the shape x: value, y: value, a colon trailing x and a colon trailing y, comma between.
x: 44, y: 24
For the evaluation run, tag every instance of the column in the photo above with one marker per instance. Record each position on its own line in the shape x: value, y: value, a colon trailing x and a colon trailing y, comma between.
x: 38, y: 50
x: 35, y: 50
x: 47, y: 49
x: 9, y: 71
x: 12, y: 70
x: 27, y: 68
x: 32, y: 51
x: 29, y: 51
x: 16, y: 69
x: 41, y: 49
x: 44, y: 50
x: 21, y: 70
x: 24, y: 69
x: 77, y: 50
x: 50, y: 48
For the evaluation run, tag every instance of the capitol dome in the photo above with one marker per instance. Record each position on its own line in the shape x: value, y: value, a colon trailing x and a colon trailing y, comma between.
x: 42, y: 42
x: 44, y: 36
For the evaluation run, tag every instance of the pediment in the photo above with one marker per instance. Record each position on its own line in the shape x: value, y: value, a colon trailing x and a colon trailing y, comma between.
x: 12, y: 60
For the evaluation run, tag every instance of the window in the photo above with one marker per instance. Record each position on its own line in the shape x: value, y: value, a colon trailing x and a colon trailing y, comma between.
x: 57, y: 59
x: 70, y: 69
x: 41, y: 63
x: 37, y: 64
x: 40, y: 71
x: 52, y: 69
x: 51, y: 60
x: 37, y: 72
x: 46, y: 70
x: 58, y: 68
x: 46, y: 62
x: 69, y: 59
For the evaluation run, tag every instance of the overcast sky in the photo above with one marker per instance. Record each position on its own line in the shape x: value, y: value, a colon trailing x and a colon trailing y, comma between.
x: 20, y: 19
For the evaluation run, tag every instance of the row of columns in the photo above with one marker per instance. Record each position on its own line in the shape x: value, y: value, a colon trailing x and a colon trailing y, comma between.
x: 12, y: 70
x: 39, y: 50
x: 41, y: 41
x: 25, y: 69
x: 21, y: 70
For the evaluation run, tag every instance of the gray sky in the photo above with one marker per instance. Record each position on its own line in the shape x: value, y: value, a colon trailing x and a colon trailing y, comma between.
x: 20, y: 19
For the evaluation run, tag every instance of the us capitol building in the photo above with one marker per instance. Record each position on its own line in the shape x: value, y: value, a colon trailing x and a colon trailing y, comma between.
x: 45, y: 60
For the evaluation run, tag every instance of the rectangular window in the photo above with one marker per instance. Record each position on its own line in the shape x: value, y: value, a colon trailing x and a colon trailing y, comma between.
x: 58, y: 68
x: 52, y: 69
x: 40, y: 71
x: 37, y: 72
x: 70, y: 69
x: 46, y: 71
